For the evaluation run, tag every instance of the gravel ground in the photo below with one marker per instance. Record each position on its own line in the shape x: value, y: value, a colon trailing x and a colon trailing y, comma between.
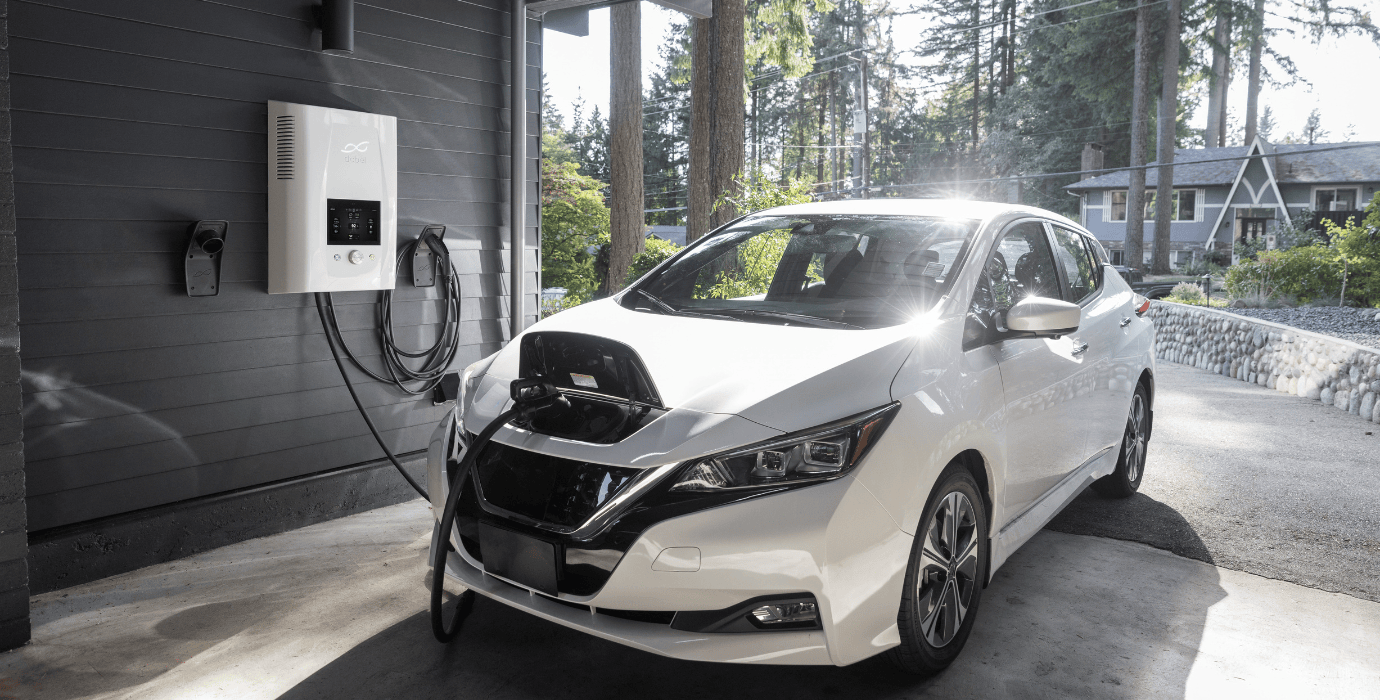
x: 1357, y: 325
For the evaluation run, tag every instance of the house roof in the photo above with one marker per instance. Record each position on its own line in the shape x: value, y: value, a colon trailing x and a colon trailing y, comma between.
x: 1292, y: 163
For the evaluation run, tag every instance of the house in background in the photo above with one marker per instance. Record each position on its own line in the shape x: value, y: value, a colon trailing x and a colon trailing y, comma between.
x: 1227, y: 195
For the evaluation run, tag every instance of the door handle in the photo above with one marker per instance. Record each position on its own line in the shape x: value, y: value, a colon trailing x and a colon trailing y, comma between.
x: 1079, y: 349
x: 1126, y: 322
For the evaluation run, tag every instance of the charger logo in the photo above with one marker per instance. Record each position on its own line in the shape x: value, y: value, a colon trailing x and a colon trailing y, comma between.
x: 360, y: 147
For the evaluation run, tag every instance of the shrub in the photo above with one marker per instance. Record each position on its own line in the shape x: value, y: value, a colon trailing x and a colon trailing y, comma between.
x: 1187, y: 293
x: 1357, y: 246
x: 657, y: 251
x: 1304, y: 273
x: 574, y: 218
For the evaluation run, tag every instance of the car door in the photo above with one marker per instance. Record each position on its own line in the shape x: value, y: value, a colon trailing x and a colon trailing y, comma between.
x: 1044, y: 432
x: 1103, y: 395
x: 1095, y: 342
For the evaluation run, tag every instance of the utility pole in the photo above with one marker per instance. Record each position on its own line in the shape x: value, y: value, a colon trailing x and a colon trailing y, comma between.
x: 1167, y: 123
x: 1140, y: 112
x: 756, y: 161
x: 862, y: 155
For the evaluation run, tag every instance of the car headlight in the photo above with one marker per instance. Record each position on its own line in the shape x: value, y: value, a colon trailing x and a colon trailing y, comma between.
x: 826, y: 452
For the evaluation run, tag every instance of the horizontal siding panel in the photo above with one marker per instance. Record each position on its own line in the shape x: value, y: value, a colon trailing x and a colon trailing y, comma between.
x: 100, y: 440
x: 481, y: 80
x: 59, y: 404
x: 78, y: 167
x: 136, y: 102
x: 44, y: 59
x: 131, y: 119
x: 74, y: 505
x: 50, y: 270
x: 142, y: 236
x: 197, y: 145
x: 45, y: 201
x: 95, y: 303
x: 53, y: 339
x: 153, y: 364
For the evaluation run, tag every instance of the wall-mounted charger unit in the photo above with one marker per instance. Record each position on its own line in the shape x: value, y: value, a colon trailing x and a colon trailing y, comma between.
x: 332, y: 199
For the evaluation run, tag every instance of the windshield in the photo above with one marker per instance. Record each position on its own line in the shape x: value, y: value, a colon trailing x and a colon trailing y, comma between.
x: 830, y: 271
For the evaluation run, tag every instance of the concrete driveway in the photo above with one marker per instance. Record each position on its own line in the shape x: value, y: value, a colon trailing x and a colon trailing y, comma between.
x: 1252, y: 480
x: 339, y: 609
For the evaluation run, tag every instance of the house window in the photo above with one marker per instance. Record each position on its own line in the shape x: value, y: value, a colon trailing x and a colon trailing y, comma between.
x: 1118, y: 256
x: 1185, y: 205
x: 1335, y: 199
x: 1118, y: 212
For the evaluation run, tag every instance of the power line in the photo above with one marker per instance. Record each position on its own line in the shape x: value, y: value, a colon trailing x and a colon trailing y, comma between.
x: 1105, y: 171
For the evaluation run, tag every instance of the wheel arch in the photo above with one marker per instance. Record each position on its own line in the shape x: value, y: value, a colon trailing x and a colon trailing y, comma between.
x: 978, y: 466
x: 1147, y: 380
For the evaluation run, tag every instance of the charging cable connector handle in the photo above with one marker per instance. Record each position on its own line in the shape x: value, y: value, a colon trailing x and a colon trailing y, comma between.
x: 531, y: 398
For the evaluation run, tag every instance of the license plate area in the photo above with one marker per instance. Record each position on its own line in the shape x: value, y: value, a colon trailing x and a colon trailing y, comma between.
x: 519, y: 558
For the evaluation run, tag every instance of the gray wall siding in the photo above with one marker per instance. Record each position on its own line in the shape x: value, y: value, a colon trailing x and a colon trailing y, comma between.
x: 1182, y: 233
x: 14, y: 567
x: 133, y: 118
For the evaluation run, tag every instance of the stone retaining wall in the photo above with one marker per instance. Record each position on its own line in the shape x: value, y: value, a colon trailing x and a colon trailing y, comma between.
x: 1337, y: 372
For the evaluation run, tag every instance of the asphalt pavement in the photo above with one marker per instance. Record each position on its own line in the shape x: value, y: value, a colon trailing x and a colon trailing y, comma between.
x: 1253, y: 480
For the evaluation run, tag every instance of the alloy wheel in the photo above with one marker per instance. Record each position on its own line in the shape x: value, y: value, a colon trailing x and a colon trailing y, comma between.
x: 1133, y: 444
x: 948, y: 569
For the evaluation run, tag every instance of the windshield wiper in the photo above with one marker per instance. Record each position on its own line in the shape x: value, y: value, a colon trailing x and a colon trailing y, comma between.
x: 669, y: 310
x: 806, y: 319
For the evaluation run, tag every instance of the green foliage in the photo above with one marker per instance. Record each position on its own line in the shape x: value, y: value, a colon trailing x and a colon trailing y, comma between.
x: 752, y: 272
x: 757, y: 192
x: 1187, y: 293
x: 656, y: 252
x: 573, y: 218
x: 1357, y: 246
x: 1304, y: 273
x: 778, y: 34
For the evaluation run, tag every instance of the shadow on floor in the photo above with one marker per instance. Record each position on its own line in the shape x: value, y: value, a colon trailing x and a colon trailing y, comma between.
x: 1139, y: 518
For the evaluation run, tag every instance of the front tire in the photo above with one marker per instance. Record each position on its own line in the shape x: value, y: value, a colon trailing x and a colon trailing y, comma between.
x: 948, y: 564
x: 1130, y: 464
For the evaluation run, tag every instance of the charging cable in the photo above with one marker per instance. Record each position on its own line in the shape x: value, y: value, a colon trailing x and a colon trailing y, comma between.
x: 436, y: 360
x: 531, y: 398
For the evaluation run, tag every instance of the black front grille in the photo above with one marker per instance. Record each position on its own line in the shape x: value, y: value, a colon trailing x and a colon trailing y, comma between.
x: 566, y: 492
x: 549, y: 489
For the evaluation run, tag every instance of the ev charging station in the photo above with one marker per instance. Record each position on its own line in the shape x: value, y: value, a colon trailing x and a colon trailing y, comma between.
x: 332, y: 199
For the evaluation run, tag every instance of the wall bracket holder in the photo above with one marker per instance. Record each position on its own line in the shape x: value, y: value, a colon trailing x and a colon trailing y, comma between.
x: 205, y: 248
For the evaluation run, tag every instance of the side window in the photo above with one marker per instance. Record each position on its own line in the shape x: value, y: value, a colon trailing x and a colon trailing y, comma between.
x: 1020, y: 266
x: 1078, y: 263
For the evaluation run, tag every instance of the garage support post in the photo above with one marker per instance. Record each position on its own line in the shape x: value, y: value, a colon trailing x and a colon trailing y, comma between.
x: 517, y: 182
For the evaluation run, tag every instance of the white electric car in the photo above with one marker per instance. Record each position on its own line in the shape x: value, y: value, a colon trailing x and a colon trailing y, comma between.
x: 809, y: 437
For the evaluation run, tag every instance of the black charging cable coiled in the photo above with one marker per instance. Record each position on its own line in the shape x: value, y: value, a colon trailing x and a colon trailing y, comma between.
x: 436, y: 360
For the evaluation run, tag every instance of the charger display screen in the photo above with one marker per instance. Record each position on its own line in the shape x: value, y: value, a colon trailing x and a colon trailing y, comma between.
x: 352, y: 222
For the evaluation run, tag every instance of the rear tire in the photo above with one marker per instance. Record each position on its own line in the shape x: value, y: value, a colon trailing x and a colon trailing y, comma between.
x: 1130, y: 463
x: 948, y: 564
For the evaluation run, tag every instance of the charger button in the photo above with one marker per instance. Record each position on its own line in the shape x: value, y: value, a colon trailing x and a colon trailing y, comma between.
x: 356, y: 257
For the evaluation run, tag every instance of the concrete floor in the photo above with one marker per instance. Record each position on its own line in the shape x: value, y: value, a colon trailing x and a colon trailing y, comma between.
x: 339, y: 610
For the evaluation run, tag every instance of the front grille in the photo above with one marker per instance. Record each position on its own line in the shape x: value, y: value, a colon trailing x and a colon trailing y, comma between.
x: 548, y: 489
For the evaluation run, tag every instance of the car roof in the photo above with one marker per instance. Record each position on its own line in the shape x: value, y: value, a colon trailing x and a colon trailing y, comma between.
x: 947, y: 208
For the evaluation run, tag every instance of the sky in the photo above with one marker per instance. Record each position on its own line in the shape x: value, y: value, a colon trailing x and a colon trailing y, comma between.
x: 1342, y: 76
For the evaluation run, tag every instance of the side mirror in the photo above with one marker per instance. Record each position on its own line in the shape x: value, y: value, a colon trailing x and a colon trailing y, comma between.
x: 1038, y: 317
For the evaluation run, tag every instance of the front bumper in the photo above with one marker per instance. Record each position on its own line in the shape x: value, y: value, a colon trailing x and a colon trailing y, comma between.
x: 832, y: 540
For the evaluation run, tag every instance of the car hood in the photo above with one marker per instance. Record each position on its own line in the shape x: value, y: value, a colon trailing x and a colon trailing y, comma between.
x: 784, y: 378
